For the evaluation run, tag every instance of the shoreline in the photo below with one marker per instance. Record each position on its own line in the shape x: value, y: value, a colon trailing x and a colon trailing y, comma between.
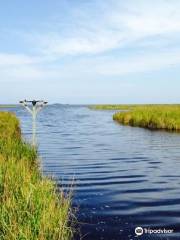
x: 31, y: 205
x: 150, y: 116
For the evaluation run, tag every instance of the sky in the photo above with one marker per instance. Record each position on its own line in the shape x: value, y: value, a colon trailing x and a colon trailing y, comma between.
x: 90, y: 51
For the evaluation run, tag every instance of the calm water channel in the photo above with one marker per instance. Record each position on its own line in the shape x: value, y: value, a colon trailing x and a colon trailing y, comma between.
x: 124, y: 177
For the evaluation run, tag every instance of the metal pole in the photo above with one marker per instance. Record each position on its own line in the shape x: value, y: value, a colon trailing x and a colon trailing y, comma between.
x: 37, y: 105
x: 34, y: 126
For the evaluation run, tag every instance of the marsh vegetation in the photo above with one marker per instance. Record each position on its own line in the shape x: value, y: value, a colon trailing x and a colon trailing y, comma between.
x: 30, y: 207
x: 111, y: 107
x: 152, y: 116
x: 8, y: 105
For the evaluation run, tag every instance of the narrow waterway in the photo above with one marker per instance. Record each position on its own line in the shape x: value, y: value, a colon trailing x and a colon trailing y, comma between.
x: 124, y: 177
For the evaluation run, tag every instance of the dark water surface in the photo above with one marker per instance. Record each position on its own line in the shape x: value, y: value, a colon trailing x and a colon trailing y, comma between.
x: 124, y: 177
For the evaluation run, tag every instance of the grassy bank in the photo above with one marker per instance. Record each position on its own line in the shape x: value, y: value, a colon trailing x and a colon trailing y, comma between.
x: 8, y: 105
x: 151, y: 116
x: 30, y: 207
x: 111, y: 107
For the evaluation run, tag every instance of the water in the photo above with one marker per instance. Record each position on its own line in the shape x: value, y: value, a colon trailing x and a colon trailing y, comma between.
x: 124, y: 177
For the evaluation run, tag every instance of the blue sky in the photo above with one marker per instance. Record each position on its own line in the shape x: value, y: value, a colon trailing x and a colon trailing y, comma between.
x: 98, y: 51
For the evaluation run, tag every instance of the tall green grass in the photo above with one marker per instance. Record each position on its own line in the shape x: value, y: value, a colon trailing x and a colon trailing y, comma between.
x: 151, y: 116
x: 30, y: 207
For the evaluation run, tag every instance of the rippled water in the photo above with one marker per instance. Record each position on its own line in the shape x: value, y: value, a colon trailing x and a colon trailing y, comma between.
x: 124, y: 177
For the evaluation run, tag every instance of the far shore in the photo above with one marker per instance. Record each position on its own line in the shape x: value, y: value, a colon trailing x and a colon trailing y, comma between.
x: 8, y: 105
x: 151, y: 116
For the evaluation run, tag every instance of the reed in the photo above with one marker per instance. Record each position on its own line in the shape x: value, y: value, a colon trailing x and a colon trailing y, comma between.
x: 151, y: 116
x: 30, y: 207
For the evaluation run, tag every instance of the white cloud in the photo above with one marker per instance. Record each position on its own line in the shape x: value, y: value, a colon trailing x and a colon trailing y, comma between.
x: 100, y: 66
x: 120, y: 25
x: 145, y: 18
x: 138, y: 64
x: 15, y: 59
x: 21, y: 67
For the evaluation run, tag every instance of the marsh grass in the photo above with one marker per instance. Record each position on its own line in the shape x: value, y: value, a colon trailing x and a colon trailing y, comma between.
x: 151, y: 116
x: 111, y: 107
x: 30, y: 207
x: 8, y: 105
